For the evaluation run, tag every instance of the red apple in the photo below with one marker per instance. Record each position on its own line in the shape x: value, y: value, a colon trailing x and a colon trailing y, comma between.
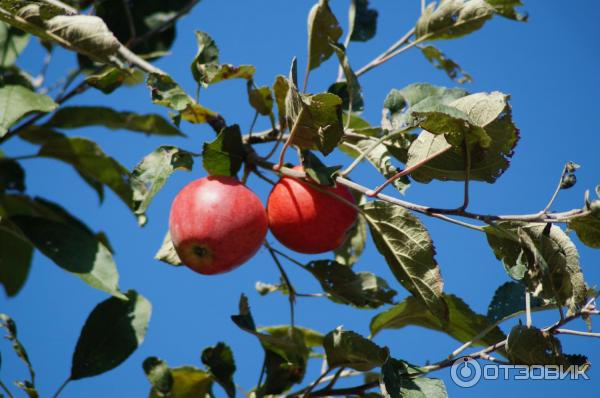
x: 306, y: 219
x: 216, y: 224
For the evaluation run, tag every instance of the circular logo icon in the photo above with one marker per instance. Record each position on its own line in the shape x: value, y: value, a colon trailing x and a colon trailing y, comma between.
x: 465, y: 372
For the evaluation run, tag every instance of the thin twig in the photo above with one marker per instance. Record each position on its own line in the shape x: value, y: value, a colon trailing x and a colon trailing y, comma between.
x: 370, y: 149
x: 389, y: 54
x: 577, y: 333
x: 286, y: 279
x: 6, y: 390
x: 556, y: 191
x: 307, y: 393
x: 528, y: 309
x: 407, y: 171
x: 61, y: 388
x: 288, y: 142
x: 130, y: 23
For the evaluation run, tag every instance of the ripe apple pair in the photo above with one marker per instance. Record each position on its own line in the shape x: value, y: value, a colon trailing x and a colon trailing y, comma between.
x: 217, y: 223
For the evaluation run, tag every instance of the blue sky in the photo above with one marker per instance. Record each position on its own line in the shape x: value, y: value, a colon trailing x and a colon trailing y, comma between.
x: 548, y: 65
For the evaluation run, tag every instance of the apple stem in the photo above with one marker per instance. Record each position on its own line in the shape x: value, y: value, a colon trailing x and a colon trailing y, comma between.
x: 289, y: 140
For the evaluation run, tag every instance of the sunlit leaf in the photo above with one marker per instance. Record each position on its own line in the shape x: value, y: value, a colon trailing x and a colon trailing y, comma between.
x: 13, y: 42
x: 159, y: 375
x: 549, y: 259
x: 407, y: 247
x: 587, y: 228
x: 166, y: 92
x: 167, y: 253
x: 206, y: 68
x: 463, y: 323
x: 151, y: 174
x: 18, y: 101
x: 188, y: 382
x: 111, y: 78
x: 440, y: 61
x: 493, y: 137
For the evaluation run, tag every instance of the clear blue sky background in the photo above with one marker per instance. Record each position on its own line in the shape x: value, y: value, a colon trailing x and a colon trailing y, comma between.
x: 549, y: 66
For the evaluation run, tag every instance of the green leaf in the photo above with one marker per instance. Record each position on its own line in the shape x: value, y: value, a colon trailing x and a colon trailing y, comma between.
x: 319, y: 124
x: 549, y: 258
x: 531, y: 346
x: 15, y: 261
x: 317, y: 171
x: 151, y: 174
x: 220, y: 362
x: 361, y: 289
x: 440, y: 61
x: 224, y: 156
x: 72, y: 248
x: 280, y: 89
x: 147, y: 16
x: 323, y: 28
x: 159, y: 375
x: 506, y: 8
x: 398, y: 105
x: 110, y: 78
x: 54, y: 22
x: 86, y: 34
x: 349, y: 252
x: 362, y: 21
x: 380, y: 157
x: 166, y: 92
x: 311, y: 337
x: 396, y: 381
x: 348, y: 349
x: 72, y: 117
x: 260, y: 98
x: 13, y: 42
x: 167, y: 253
x: 112, y: 332
x: 407, y: 247
x: 188, y: 382
x: 509, y: 299
x: 349, y: 91
x: 10, y: 326
x: 493, y: 139
x: 89, y: 160
x: 452, y: 19
x: 206, y: 68
x: 463, y: 323
x: 18, y: 101
x: 587, y: 229
x: 286, y: 354
x: 12, y: 175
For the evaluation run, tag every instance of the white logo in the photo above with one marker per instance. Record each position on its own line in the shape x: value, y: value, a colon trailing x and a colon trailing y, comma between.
x: 465, y: 372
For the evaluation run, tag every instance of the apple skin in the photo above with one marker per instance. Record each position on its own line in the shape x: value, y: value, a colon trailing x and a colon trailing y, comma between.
x: 216, y: 224
x: 308, y: 220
